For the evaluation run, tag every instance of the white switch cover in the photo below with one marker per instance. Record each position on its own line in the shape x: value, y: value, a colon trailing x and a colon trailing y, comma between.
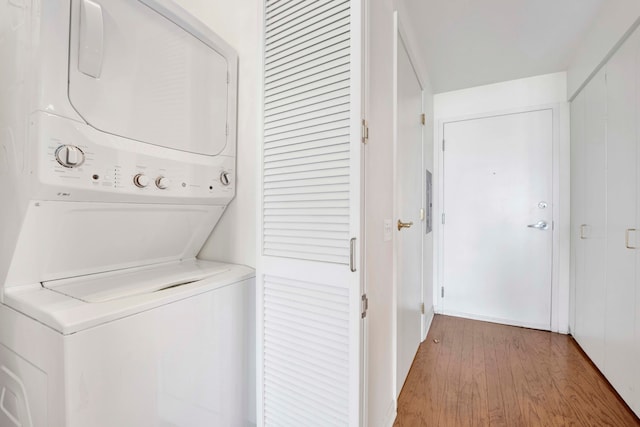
x: 388, y: 230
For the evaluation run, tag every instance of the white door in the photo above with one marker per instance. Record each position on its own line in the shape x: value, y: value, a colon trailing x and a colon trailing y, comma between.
x: 591, y: 290
x: 498, y: 218
x: 309, y: 269
x: 408, y: 203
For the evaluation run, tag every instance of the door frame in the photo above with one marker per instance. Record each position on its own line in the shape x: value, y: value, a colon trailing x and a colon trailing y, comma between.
x: 401, y: 36
x: 560, y: 258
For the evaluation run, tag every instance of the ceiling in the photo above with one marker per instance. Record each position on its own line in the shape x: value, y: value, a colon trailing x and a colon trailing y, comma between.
x: 469, y: 43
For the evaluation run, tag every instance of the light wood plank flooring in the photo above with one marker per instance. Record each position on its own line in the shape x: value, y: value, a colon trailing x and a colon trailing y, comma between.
x: 485, y: 374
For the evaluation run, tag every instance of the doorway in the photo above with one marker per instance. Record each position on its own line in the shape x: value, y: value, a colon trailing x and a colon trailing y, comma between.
x: 498, y: 218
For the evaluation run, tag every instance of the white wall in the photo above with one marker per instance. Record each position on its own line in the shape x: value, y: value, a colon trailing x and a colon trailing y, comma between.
x: 614, y: 23
x: 546, y: 90
x: 521, y: 93
x: 379, y: 206
x: 239, y: 23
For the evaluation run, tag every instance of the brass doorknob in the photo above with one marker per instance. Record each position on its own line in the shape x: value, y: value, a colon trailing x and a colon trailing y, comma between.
x: 402, y: 225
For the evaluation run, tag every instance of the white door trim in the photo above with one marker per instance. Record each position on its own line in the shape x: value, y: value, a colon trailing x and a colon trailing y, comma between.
x: 400, y: 36
x: 561, y: 201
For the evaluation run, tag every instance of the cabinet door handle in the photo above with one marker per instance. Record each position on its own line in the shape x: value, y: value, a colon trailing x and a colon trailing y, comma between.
x: 626, y: 238
x: 582, y: 227
x: 352, y: 254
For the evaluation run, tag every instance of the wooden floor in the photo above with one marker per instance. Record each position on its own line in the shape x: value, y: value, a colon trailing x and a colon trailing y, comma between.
x: 482, y: 374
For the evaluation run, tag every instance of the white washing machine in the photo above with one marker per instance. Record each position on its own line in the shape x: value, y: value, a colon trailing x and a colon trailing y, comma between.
x: 117, y: 159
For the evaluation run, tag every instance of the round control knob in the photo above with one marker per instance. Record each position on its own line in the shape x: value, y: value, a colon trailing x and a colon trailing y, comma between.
x: 69, y: 156
x: 225, y: 178
x: 141, y: 180
x: 163, y: 182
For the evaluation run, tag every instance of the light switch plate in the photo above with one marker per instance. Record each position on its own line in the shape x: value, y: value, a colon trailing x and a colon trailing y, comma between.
x: 388, y: 230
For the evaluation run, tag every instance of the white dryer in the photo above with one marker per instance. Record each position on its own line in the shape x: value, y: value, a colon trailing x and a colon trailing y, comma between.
x: 117, y: 159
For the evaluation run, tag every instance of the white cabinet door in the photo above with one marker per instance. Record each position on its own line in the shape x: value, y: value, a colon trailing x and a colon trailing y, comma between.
x: 578, y: 226
x: 309, y: 280
x: 591, y: 292
x: 136, y: 73
x: 605, y: 214
x: 621, y: 158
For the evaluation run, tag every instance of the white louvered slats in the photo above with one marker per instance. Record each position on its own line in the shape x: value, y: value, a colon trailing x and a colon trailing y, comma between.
x: 309, y: 289
x: 306, y: 327
x: 307, y: 118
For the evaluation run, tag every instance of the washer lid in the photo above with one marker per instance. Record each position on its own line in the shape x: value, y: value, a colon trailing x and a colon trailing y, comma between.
x: 69, y: 315
x: 103, y: 287
x: 147, y: 70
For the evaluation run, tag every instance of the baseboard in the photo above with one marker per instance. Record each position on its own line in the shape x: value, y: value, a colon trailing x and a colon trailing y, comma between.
x: 428, y: 319
x: 497, y: 320
x: 391, y: 412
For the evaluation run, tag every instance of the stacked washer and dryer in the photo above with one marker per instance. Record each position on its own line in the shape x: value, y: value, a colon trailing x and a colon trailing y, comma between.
x: 117, y: 159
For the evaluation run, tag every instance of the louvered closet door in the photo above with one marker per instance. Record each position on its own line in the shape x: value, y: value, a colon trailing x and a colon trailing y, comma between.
x: 309, y: 294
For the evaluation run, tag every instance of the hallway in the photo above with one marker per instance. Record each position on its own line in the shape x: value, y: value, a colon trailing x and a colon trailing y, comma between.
x: 480, y: 373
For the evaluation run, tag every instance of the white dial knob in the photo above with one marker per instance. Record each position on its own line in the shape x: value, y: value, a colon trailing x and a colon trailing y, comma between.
x: 141, y: 180
x: 163, y: 182
x: 69, y: 156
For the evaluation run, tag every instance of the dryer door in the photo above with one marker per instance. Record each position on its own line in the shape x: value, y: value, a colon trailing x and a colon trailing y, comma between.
x: 135, y: 73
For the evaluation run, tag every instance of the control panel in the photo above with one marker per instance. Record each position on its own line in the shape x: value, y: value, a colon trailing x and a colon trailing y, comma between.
x: 81, y: 163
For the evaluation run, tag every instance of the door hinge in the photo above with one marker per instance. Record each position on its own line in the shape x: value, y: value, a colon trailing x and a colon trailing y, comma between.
x: 364, y: 305
x: 442, y: 292
x: 226, y: 129
x: 422, y: 308
x: 365, y: 131
x: 228, y: 78
x: 443, y: 145
x: 442, y: 219
x: 423, y: 119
